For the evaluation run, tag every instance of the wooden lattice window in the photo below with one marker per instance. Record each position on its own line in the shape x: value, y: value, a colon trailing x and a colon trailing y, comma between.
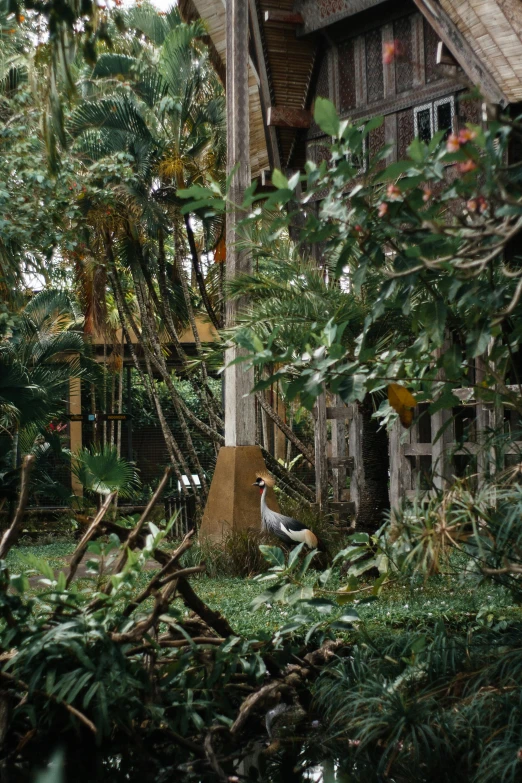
x: 404, y: 66
x: 347, y: 98
x: 433, y: 117
x: 374, y: 66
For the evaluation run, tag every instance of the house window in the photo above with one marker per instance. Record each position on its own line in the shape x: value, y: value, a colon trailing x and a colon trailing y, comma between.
x: 433, y: 117
x: 444, y: 111
x: 360, y: 160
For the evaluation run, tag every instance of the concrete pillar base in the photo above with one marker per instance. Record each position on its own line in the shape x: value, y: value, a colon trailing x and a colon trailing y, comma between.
x: 233, y: 504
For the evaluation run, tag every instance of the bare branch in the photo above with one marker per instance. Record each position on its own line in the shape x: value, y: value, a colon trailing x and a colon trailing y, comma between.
x: 80, y: 550
x: 11, y: 535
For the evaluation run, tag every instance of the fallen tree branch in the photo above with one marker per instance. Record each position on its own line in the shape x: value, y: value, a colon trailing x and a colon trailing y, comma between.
x: 251, y: 702
x: 177, y: 643
x: 214, y: 619
x: 156, y: 581
x: 135, y: 533
x: 80, y: 550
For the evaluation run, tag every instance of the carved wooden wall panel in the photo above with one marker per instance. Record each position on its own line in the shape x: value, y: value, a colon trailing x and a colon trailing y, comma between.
x: 404, y: 64
x: 374, y: 66
x: 405, y: 131
x: 431, y: 39
x: 347, y: 77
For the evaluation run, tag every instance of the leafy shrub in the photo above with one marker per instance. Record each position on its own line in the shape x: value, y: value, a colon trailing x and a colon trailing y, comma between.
x: 427, y: 705
x: 236, y: 555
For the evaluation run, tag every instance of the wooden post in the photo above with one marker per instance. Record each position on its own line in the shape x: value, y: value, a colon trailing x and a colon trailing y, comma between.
x: 233, y: 502
x: 240, y: 426
x: 440, y: 466
x: 355, y: 450
x: 75, y: 427
x: 321, y: 457
x: 339, y: 451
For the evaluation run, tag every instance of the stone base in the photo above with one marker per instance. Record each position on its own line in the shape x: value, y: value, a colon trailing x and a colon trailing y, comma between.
x: 233, y: 503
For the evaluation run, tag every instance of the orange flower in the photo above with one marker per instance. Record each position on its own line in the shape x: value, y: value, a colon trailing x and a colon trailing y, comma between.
x: 477, y: 205
x: 383, y: 209
x: 392, y: 51
x: 466, y: 134
x: 468, y: 165
x: 453, y: 143
x: 393, y: 192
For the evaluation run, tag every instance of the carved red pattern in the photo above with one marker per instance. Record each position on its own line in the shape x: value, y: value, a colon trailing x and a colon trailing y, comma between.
x: 329, y: 7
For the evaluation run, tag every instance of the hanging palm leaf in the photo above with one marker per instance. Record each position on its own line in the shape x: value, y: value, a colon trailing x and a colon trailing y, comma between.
x: 104, y: 472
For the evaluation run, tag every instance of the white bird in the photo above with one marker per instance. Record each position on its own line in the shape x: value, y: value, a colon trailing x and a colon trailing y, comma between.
x: 289, y: 530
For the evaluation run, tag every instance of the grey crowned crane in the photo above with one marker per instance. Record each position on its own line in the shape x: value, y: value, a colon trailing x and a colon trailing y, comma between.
x: 289, y: 530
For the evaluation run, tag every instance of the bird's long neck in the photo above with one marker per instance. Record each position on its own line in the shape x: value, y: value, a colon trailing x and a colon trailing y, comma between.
x: 263, y: 499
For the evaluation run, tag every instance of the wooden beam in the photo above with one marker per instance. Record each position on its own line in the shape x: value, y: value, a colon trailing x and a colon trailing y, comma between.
x: 444, y: 56
x: 264, y: 85
x: 283, y: 17
x: 463, y: 52
x: 417, y: 449
x: 342, y: 412
x: 345, y: 507
x: 341, y: 462
x: 339, y: 412
x: 288, y: 117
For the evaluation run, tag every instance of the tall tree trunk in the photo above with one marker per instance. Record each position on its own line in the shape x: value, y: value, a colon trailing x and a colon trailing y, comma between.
x: 152, y: 349
x: 373, y: 491
x: 199, y: 275
x: 148, y: 384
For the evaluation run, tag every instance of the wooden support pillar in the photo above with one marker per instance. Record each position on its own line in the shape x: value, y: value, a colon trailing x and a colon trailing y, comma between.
x: 240, y: 419
x: 75, y: 427
x: 233, y: 503
x: 440, y: 463
x: 355, y: 450
x: 339, y: 452
x: 321, y: 457
x: 401, y: 478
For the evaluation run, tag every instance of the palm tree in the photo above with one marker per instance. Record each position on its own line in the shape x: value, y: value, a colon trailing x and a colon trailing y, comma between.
x: 45, y: 350
x: 161, y: 108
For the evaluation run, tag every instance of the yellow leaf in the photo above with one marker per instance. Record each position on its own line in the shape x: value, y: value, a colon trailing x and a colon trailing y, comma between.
x: 403, y: 402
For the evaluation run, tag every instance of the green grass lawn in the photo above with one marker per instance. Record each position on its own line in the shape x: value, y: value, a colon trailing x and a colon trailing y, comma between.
x: 441, y: 597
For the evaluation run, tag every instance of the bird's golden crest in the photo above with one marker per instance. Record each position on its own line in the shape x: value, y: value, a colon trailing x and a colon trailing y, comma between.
x: 267, y: 478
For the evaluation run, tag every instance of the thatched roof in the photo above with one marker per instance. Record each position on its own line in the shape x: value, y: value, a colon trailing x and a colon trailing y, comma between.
x: 289, y: 63
x: 494, y: 29
x: 213, y: 14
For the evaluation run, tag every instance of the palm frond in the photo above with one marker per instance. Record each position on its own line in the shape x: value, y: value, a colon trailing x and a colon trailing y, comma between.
x: 104, y: 472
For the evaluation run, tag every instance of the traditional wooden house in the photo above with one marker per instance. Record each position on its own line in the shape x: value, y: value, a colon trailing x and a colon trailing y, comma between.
x: 301, y: 49
x: 334, y: 48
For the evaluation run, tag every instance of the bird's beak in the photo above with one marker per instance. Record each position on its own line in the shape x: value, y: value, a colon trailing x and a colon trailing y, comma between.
x: 255, y: 484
